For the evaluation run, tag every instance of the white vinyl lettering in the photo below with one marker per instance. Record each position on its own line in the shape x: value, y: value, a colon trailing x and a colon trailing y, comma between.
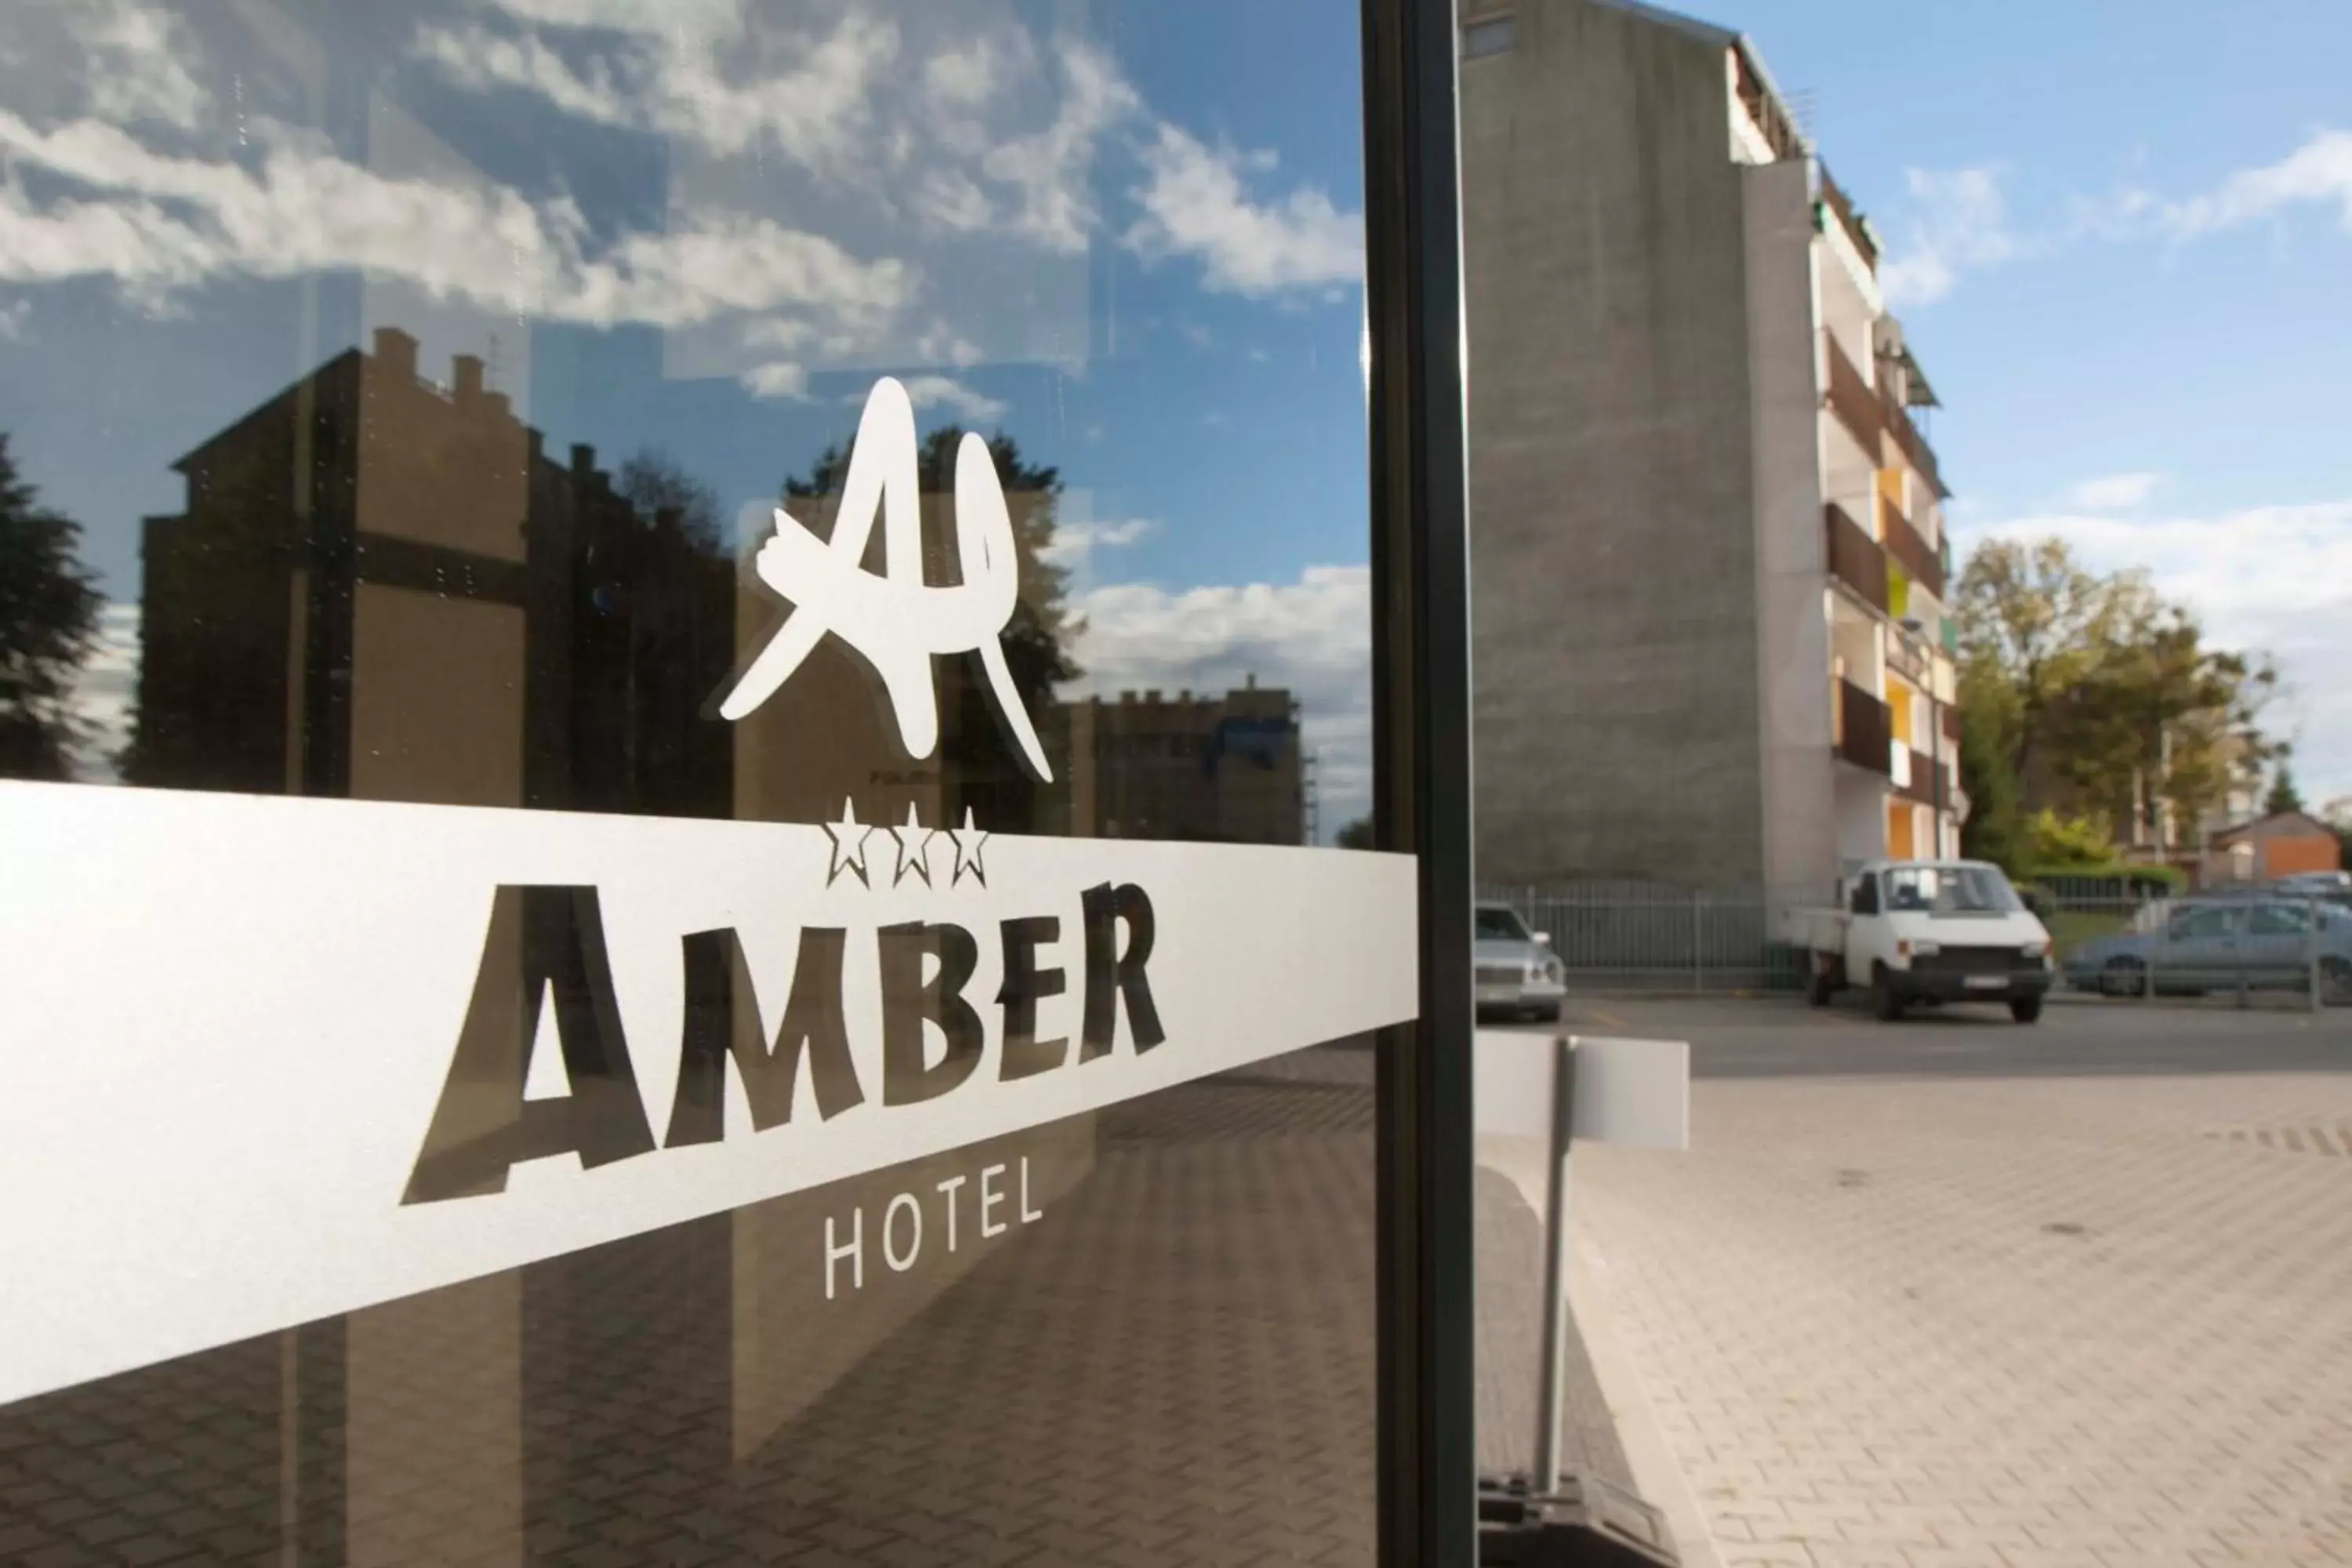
x: 894, y: 619
x: 989, y: 1198
x: 855, y: 1252
x: 905, y: 1202
x: 902, y: 1224
x: 948, y: 1190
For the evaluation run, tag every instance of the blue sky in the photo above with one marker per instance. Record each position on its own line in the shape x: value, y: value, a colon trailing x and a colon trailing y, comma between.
x: 2119, y: 236
x: 2120, y: 239
x: 1127, y: 236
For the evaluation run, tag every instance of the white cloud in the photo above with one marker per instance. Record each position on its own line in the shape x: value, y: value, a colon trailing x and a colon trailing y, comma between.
x: 2317, y: 173
x: 105, y: 695
x: 1073, y: 543
x: 2276, y: 579
x: 1312, y: 636
x: 1958, y: 223
x: 136, y: 69
x: 1048, y: 171
x: 776, y: 378
x: 13, y: 317
x: 697, y: 72
x: 2114, y: 492
x: 159, y: 224
x: 946, y: 392
x: 862, y: 105
x: 1196, y: 202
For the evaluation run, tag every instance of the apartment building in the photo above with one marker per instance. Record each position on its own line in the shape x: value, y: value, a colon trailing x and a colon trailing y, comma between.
x: 1198, y: 767
x: 1709, y: 569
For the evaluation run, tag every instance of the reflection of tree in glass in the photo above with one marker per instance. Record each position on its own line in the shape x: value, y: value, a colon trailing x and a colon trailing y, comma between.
x: 658, y: 634
x: 48, y: 625
x: 666, y: 496
x: 980, y: 766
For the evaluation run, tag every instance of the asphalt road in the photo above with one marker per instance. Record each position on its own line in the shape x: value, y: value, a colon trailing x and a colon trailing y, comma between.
x: 1783, y: 1038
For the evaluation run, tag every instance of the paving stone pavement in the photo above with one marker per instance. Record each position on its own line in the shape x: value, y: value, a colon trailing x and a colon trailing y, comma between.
x: 2031, y: 1322
x: 1176, y: 1365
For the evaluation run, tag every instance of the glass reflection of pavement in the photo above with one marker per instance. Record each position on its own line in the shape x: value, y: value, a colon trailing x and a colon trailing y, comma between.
x: 1175, y: 1366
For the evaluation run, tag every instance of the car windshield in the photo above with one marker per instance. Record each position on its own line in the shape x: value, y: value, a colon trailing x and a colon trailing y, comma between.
x: 1500, y: 925
x: 1950, y: 890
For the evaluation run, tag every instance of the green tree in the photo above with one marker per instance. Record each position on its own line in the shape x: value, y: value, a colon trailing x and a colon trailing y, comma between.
x: 1994, y: 827
x: 2283, y: 797
x: 1357, y: 835
x: 977, y: 763
x: 48, y: 625
x: 2113, y: 703
x: 2069, y: 843
x: 665, y: 495
x: 2028, y: 615
x: 1038, y: 643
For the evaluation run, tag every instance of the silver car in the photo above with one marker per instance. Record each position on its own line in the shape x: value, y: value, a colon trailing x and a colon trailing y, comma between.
x: 2221, y: 943
x: 1517, y: 971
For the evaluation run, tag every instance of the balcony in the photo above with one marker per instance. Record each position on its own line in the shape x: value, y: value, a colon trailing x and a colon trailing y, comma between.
x: 1848, y: 219
x: 1919, y: 784
x: 1851, y: 398
x: 1860, y: 730
x: 1914, y: 444
x: 1919, y: 559
x: 1855, y: 558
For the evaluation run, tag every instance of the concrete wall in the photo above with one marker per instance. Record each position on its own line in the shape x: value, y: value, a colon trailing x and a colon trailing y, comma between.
x: 1613, y: 547
x: 1792, y: 651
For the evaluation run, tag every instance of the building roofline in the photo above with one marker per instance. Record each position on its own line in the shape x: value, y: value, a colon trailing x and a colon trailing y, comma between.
x: 1691, y: 27
x: 1751, y: 59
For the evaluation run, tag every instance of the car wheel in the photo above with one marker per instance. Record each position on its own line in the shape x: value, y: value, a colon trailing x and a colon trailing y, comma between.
x: 2335, y: 980
x: 2025, y: 1009
x: 1547, y: 1012
x: 2124, y: 977
x: 1884, y: 1000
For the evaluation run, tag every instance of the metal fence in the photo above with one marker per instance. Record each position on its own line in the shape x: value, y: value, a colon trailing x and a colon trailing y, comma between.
x: 2109, y: 937
x: 2239, y: 945
x: 1641, y: 936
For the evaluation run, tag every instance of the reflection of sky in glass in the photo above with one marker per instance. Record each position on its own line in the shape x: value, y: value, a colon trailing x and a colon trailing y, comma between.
x: 703, y: 226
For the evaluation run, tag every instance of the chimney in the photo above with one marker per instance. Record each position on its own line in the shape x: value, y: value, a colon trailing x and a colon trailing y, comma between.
x: 396, y: 352
x: 467, y: 368
x: 583, y: 458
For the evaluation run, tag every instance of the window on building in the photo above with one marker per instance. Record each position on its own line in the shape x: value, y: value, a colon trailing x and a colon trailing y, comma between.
x: 1489, y: 36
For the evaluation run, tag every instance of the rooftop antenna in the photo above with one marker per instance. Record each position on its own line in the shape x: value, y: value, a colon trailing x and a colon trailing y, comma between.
x: 1804, y: 102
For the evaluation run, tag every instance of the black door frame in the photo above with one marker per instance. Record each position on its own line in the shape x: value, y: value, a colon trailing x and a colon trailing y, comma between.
x: 1422, y: 794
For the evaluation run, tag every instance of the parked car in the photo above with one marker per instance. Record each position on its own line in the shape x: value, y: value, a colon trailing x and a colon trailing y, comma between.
x: 2219, y: 944
x: 2334, y: 886
x: 1932, y: 932
x: 1517, y: 971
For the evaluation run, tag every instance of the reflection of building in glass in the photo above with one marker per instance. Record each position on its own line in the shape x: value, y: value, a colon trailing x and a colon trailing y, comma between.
x: 385, y: 590
x: 1222, y: 768
x: 1708, y: 554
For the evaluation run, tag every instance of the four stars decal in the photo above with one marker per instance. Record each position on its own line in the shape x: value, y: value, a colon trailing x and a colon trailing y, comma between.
x: 911, y: 845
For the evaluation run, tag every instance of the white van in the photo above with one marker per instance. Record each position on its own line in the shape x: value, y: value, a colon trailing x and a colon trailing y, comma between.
x: 1928, y: 930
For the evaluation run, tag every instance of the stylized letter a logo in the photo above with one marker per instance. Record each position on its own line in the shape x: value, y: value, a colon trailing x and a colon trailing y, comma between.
x: 896, y: 620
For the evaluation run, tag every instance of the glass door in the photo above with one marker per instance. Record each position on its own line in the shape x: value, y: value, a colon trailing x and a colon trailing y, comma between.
x: 686, y: 684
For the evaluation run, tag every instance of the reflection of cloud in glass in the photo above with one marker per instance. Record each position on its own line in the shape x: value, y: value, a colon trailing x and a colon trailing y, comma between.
x: 1313, y: 636
x: 1195, y: 203
x: 105, y: 695
x: 812, y: 161
x: 159, y: 223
